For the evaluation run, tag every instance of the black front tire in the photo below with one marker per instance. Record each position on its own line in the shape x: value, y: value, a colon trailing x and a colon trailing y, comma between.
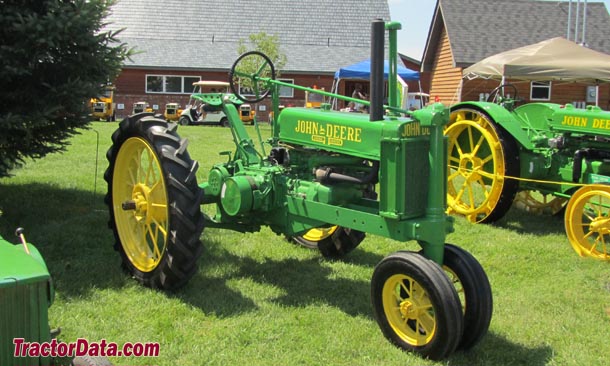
x: 474, y: 290
x: 416, y: 306
x: 156, y: 233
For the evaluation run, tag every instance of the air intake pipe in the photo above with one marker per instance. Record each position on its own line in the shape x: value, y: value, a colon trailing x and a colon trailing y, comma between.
x: 377, y: 53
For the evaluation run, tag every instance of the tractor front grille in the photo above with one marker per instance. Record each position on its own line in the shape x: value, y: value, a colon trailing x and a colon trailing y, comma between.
x: 404, y: 172
x: 23, y: 314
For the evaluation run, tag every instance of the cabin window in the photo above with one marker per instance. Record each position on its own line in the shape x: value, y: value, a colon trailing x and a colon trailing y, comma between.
x: 187, y: 83
x: 286, y: 91
x: 170, y: 84
x: 540, y: 90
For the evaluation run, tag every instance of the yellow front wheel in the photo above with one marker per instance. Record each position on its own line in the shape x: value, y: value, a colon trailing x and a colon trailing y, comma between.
x: 153, y: 199
x: 416, y: 306
x: 587, y: 221
x: 333, y: 241
x: 481, y: 156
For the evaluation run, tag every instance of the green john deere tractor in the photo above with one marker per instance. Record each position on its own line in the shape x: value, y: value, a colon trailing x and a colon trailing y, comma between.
x: 328, y: 178
x: 26, y: 292
x: 552, y: 157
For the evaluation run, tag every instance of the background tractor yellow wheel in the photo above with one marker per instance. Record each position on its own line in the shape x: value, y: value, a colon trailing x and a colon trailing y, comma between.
x: 481, y: 156
x: 540, y: 203
x: 587, y: 221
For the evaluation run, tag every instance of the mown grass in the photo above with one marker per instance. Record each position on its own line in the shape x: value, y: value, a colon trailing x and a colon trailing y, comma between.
x: 259, y: 300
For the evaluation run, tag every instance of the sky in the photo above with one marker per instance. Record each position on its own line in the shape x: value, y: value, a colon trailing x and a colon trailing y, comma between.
x: 415, y: 17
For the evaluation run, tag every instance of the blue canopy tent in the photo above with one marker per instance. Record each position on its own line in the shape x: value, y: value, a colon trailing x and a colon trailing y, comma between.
x: 362, y: 70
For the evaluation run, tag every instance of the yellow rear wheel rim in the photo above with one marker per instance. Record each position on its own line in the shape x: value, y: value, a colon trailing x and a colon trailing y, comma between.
x: 139, y: 199
x: 587, y: 221
x: 475, y: 166
x: 408, y: 309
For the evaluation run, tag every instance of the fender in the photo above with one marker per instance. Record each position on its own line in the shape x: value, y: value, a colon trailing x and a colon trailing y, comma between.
x: 500, y: 115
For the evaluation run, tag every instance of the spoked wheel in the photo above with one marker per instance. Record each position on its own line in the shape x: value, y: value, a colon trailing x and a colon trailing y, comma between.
x: 540, y: 203
x: 251, y: 71
x: 587, y: 221
x: 416, y: 306
x: 333, y: 241
x: 153, y: 199
x: 481, y: 156
x: 474, y: 291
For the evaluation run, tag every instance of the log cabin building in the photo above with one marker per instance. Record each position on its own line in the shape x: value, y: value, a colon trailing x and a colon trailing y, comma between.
x: 464, y: 32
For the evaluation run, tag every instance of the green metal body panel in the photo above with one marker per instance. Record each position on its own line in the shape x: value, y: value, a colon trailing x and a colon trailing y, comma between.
x: 502, y: 117
x: 592, y: 121
x: 25, y: 296
x: 250, y: 192
x: 324, y: 166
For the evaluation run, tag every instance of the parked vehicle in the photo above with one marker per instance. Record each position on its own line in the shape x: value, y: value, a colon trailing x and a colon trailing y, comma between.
x: 318, y: 181
x: 417, y: 100
x: 103, y: 107
x: 140, y: 107
x: 313, y: 100
x: 246, y: 113
x: 26, y: 293
x: 551, y: 156
x: 197, y: 111
x: 172, y: 112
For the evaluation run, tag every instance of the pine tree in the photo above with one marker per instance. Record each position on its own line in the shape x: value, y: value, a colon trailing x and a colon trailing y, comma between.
x: 55, y: 57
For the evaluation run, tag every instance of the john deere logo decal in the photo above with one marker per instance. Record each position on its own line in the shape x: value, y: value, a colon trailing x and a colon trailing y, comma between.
x: 328, y: 133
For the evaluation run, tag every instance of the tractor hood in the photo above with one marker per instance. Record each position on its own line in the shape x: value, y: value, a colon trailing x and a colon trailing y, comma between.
x: 342, y: 132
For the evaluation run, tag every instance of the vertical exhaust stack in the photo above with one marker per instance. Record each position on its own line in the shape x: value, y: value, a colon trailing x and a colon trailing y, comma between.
x: 377, y: 53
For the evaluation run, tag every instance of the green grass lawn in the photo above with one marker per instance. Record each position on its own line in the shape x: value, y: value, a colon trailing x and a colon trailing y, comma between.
x: 259, y: 300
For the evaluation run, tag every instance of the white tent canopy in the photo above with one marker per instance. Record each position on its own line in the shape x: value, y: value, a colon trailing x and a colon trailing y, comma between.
x: 550, y: 60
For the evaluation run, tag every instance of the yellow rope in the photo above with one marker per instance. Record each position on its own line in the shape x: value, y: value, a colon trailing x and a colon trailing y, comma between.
x: 528, y: 180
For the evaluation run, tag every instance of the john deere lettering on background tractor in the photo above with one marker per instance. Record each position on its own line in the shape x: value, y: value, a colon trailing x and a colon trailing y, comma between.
x: 315, y: 181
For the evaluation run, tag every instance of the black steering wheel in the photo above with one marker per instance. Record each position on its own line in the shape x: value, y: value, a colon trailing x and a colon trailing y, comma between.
x: 251, y: 72
x: 496, y: 92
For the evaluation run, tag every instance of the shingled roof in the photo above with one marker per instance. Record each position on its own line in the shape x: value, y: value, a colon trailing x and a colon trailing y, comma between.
x: 316, y: 35
x: 481, y: 28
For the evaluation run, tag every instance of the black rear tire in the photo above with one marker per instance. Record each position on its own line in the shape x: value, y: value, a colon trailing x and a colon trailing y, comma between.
x: 156, y: 233
x: 334, y: 243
